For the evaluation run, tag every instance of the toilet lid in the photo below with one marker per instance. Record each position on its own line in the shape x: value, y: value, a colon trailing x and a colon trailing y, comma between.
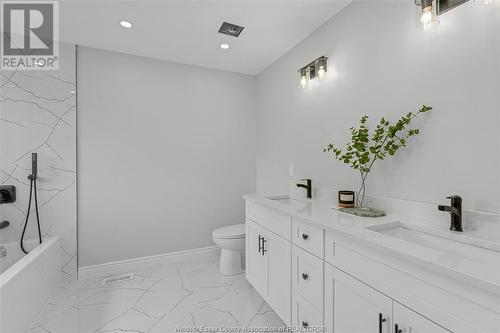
x: 231, y: 231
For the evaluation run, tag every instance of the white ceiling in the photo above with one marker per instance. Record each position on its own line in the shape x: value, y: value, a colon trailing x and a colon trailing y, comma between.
x: 186, y: 31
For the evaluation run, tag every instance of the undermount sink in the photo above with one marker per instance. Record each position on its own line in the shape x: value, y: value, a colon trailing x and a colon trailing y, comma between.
x: 449, y: 247
x: 290, y: 202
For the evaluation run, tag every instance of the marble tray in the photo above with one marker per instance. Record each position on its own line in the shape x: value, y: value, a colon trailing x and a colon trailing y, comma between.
x: 364, y: 211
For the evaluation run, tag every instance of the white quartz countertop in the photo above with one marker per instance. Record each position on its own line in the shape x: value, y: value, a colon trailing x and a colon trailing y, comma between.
x: 476, y: 261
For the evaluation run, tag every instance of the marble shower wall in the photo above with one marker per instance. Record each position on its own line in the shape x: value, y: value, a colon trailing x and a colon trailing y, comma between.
x: 38, y: 114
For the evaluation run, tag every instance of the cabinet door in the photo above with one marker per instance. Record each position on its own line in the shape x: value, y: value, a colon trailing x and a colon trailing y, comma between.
x: 407, y: 321
x: 279, y: 253
x: 353, y: 307
x: 255, y: 258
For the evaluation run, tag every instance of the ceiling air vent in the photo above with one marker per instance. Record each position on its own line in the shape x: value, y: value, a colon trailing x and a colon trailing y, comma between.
x: 230, y: 29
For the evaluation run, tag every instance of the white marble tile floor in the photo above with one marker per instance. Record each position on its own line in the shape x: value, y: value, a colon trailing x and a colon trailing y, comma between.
x: 183, y: 297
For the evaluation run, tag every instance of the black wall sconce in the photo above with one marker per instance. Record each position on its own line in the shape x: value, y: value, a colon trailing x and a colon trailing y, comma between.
x: 433, y: 8
x: 315, y: 69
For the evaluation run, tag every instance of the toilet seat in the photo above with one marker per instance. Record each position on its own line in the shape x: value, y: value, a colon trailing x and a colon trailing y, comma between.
x: 234, y: 231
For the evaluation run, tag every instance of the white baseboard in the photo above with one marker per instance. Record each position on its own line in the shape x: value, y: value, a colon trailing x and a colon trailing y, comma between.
x: 89, y: 272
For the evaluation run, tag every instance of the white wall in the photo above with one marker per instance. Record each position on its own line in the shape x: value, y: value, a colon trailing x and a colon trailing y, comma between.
x: 38, y: 115
x: 381, y: 65
x: 165, y: 152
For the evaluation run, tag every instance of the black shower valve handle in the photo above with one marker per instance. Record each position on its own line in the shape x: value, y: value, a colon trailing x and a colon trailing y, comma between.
x: 7, y: 194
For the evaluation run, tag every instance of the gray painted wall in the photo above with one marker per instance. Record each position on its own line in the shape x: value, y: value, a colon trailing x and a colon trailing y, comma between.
x: 382, y: 65
x: 165, y: 152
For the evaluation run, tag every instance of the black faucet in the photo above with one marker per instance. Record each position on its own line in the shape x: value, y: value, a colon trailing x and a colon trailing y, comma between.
x: 455, y: 211
x: 307, y: 186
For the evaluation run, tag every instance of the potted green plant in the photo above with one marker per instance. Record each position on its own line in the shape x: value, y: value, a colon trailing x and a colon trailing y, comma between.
x: 366, y: 148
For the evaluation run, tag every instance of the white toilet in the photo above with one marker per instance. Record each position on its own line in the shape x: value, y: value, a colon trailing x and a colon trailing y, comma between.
x: 231, y: 240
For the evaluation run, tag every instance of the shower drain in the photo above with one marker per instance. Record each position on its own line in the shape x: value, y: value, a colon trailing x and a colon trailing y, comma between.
x: 119, y: 278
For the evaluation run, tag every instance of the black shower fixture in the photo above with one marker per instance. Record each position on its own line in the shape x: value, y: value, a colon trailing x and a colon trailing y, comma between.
x: 7, y: 194
x: 33, y: 178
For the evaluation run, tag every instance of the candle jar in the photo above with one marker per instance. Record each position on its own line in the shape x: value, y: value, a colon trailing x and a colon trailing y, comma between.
x: 346, y: 199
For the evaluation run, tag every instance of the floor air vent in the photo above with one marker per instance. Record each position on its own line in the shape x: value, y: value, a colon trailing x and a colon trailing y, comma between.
x: 119, y: 278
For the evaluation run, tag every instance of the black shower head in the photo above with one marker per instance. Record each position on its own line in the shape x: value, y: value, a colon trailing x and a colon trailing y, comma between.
x: 34, y: 164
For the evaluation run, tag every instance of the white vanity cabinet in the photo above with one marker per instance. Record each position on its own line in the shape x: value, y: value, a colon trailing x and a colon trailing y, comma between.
x: 312, y: 275
x: 268, y: 261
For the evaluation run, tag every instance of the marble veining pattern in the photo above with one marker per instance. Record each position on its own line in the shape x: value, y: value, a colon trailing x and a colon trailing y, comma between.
x: 38, y: 114
x: 183, y: 297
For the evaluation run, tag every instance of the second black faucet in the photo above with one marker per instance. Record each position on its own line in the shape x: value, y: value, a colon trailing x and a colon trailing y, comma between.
x: 455, y: 211
x: 307, y: 186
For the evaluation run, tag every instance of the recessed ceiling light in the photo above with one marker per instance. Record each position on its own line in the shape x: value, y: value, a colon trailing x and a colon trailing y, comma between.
x: 72, y: 92
x: 126, y: 24
x: 224, y: 46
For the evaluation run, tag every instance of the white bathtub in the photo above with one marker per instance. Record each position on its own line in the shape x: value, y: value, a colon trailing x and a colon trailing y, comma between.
x: 26, y: 282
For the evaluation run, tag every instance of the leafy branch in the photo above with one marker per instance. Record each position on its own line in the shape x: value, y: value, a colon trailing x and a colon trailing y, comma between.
x: 365, y: 148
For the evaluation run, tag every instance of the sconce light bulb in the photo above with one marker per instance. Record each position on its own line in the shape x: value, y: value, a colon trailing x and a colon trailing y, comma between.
x: 428, y: 18
x: 303, y: 81
x: 321, y: 72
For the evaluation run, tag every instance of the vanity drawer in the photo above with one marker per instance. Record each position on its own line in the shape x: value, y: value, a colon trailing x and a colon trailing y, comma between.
x: 307, y: 236
x: 307, y: 276
x: 305, y: 315
x: 273, y: 220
